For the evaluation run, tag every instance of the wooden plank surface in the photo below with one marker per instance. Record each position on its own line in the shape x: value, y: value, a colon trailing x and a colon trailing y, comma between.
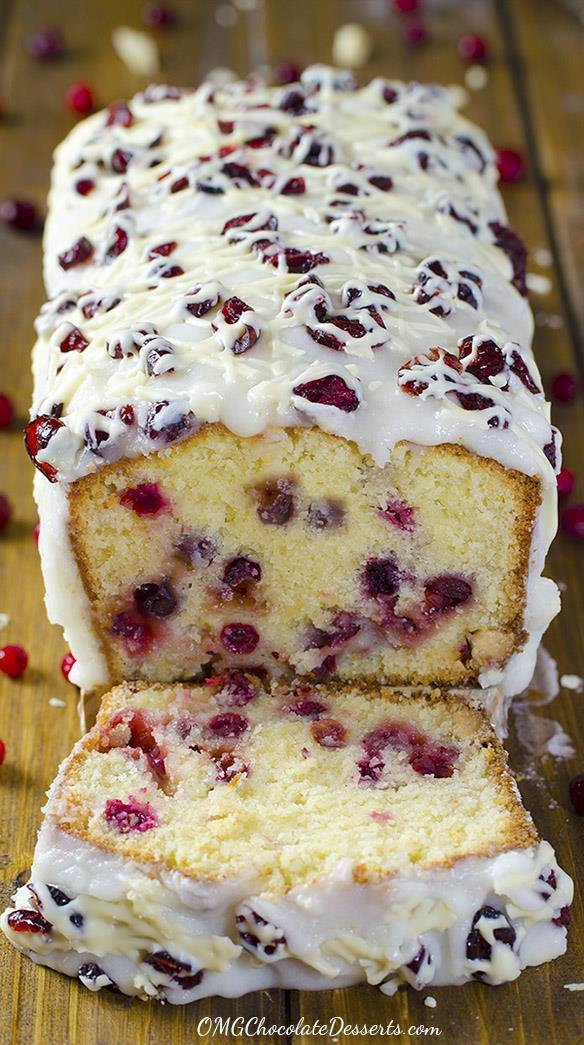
x: 534, y: 100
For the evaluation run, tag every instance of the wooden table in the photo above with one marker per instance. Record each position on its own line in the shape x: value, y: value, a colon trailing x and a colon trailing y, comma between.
x: 534, y: 100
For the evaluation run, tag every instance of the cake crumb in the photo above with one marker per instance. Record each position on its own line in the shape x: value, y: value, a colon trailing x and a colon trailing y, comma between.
x: 137, y: 50
x: 56, y: 702
x: 351, y: 46
x: 476, y: 77
x: 430, y: 1002
x: 4, y: 620
x: 574, y: 682
x: 538, y: 284
x: 542, y: 257
x: 574, y: 986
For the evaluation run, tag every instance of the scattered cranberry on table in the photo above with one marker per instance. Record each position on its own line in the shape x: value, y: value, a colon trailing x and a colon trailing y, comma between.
x: 79, y: 98
x: 5, y: 511
x: 67, y: 664
x: 6, y: 411
x: 576, y: 789
x: 473, y: 48
x: 414, y: 33
x: 573, y: 521
x: 287, y: 72
x: 566, y: 482
x: 19, y: 214
x: 564, y: 388
x: 44, y: 43
x: 157, y: 16
x: 2, y: 751
x: 13, y: 661
x: 509, y: 164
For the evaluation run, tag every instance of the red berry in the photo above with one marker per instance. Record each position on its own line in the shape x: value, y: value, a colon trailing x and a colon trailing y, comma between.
x: 19, y: 214
x: 566, y: 482
x: 13, y: 661
x: 157, y: 16
x: 509, y: 164
x: 564, y: 388
x: 6, y: 411
x: 473, y: 48
x: 2, y: 751
x: 79, y: 98
x: 414, y: 33
x: 67, y: 664
x: 405, y: 7
x: 576, y: 789
x: 573, y: 521
x: 36, y: 532
x: 287, y: 72
x: 45, y: 43
x: 5, y: 511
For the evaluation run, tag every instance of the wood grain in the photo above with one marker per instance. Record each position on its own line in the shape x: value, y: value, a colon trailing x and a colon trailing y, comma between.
x: 534, y: 69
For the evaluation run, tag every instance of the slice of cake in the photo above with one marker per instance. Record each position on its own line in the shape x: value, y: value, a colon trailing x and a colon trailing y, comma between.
x: 225, y: 838
x: 286, y: 409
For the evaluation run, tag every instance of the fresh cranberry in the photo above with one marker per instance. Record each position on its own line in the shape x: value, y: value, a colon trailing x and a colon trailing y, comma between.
x: 371, y: 766
x: 74, y: 341
x: 329, y: 391
x: 510, y: 164
x: 120, y: 160
x: 135, y: 633
x: 277, y: 502
x: 399, y: 514
x: 397, y: 735
x: 19, y: 214
x: 239, y: 638
x: 37, y: 436
x: 25, y: 921
x: 84, y: 186
x: 287, y: 72
x: 446, y: 592
x: 119, y: 115
x: 141, y: 738
x: 228, y: 766
x: 564, y: 388
x: 573, y: 521
x: 473, y: 48
x: 77, y: 254
x: 45, y: 43
x: 329, y: 733
x: 306, y: 707
x: 325, y: 514
x: 5, y: 511
x: 434, y: 760
x: 157, y: 16
x: 6, y: 411
x: 67, y: 664
x: 566, y: 482
x: 2, y: 751
x: 414, y: 33
x: 13, y: 661
x: 162, y: 250
x: 576, y: 790
x: 228, y: 724
x: 130, y: 816
x: 381, y: 577
x: 488, y: 359
x: 293, y: 187
x: 236, y: 689
x: 79, y: 98
x: 240, y: 572
x: 144, y: 499
x: 156, y: 600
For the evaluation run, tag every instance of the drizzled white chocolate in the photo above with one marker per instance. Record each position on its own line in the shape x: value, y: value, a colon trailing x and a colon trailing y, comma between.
x: 184, y: 233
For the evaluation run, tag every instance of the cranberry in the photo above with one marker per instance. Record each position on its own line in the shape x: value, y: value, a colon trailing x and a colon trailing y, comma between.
x: 144, y: 499
x: 157, y: 16
x: 36, y: 532
x: 473, y: 48
x: 156, y: 600
x: 6, y: 411
x: 510, y: 164
x: 19, y: 214
x: 479, y: 949
x: 2, y: 751
x: 58, y: 896
x: 397, y: 735
x: 513, y: 246
x: 119, y: 115
x: 371, y: 766
x: 287, y: 72
x: 240, y: 571
x: 293, y: 187
x: 45, y: 43
x: 329, y: 391
x: 67, y: 664
x: 564, y: 387
x: 566, y: 482
x: 325, y: 514
x: 229, y: 766
x: 120, y: 160
x: 405, y: 7
x: 170, y: 432
x: 329, y: 733
x: 381, y: 577
x: 79, y: 98
x: 196, y: 550
x: 399, y: 514
x: 37, y: 436
x: 564, y: 918
x: 277, y: 503
x: 573, y: 521
x: 488, y: 359
x: 5, y: 511
x: 239, y: 638
x: 162, y: 250
x: 434, y: 760
x: 179, y: 185
x: 25, y: 921
x: 381, y: 182
x: 130, y: 816
x: 13, y: 661
x: 136, y: 634
x: 445, y: 592
x: 228, y: 724
x: 306, y: 707
x: 74, y: 341
x: 117, y: 245
x: 414, y: 33
x: 84, y: 186
x: 77, y: 254
x: 576, y: 790
x: 236, y: 689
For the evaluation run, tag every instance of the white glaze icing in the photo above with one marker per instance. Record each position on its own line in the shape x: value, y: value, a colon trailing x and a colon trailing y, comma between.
x: 332, y: 932
x: 149, y: 349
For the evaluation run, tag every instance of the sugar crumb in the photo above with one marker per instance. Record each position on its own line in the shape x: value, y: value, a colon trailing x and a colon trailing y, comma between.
x: 56, y: 702
x: 573, y: 682
x: 430, y: 1002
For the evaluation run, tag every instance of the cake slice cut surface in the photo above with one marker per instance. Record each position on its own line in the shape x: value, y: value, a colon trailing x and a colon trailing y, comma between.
x: 224, y: 838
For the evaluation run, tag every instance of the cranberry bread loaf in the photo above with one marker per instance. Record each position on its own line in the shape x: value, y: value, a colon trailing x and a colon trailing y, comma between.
x: 286, y: 410
x: 222, y: 839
